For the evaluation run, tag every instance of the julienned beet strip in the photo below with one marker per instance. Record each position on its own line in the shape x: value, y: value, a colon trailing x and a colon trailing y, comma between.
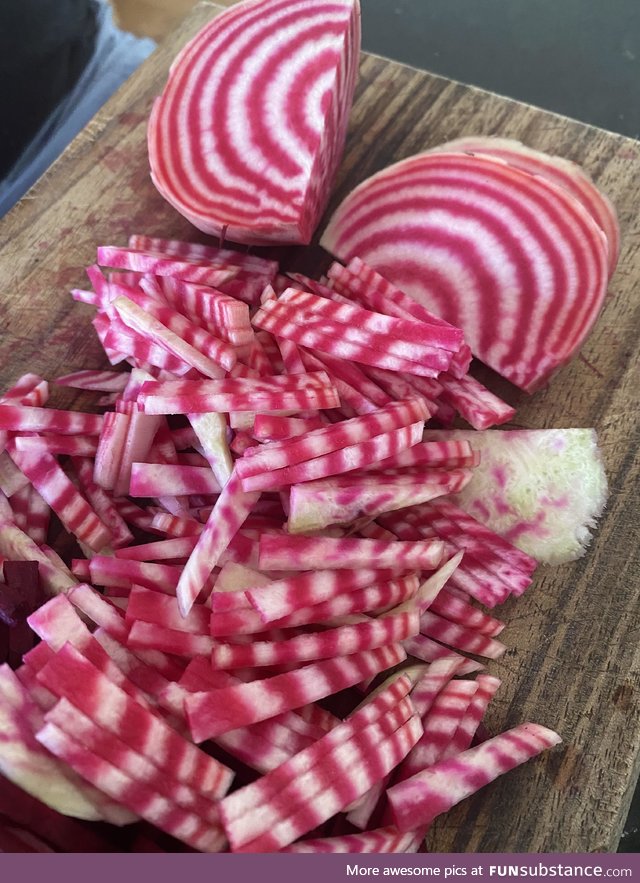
x: 341, y: 641
x: 218, y: 711
x: 420, y: 799
x: 285, y: 596
x: 32, y: 767
x: 369, y: 756
x: 72, y: 509
x: 227, y: 517
x: 340, y: 310
x: 209, y: 254
x: 439, y: 726
x: 21, y: 418
x: 301, y: 793
x: 276, y: 455
x: 136, y: 795
x: 367, y: 600
x: 112, y: 749
x: 294, y: 553
x: 351, y: 457
x: 350, y: 497
x: 250, y: 798
x: 69, y: 675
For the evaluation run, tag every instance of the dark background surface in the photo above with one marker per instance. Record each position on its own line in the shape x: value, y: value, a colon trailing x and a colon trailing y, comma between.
x: 580, y: 58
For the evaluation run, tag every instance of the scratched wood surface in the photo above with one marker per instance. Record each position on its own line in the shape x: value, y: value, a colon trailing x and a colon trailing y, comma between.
x: 574, y: 656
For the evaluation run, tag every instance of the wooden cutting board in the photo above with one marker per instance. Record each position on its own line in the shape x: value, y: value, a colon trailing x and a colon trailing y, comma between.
x: 574, y: 656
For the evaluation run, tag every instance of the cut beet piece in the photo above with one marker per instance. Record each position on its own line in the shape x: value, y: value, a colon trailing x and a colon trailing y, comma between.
x: 136, y: 795
x: 329, y: 439
x: 66, y: 717
x: 156, y: 332
x: 69, y: 505
x: 423, y: 797
x: 296, y: 553
x: 344, y: 499
x: 329, y: 644
x: 248, y: 799
x: 560, y: 171
x: 227, y: 517
x: 541, y: 490
x: 465, y: 639
x: 373, y: 599
x: 26, y: 763
x: 195, y: 251
x: 360, y: 764
x: 221, y: 710
x: 102, y: 503
x: 440, y: 725
x: 339, y: 341
x: 68, y: 674
x: 177, y: 642
x: 286, y: 74
x: 337, y: 462
x: 285, y: 596
x: 468, y: 726
x: 19, y: 418
x: 514, y: 260
x: 158, y: 265
x: 163, y: 479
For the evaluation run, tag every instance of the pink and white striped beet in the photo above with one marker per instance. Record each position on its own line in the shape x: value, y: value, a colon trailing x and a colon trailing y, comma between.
x: 362, y: 759
x: 287, y: 596
x: 296, y: 553
x: 351, y: 457
x: 136, y: 795
x: 362, y: 762
x: 368, y: 494
x: 227, y: 516
x: 55, y: 487
x: 195, y: 251
x: 341, y: 641
x: 288, y: 71
x: 218, y: 711
x: 373, y: 599
x: 565, y: 174
x: 326, y: 440
x: 252, y: 796
x: 426, y: 795
x: 526, y: 265
x: 69, y: 675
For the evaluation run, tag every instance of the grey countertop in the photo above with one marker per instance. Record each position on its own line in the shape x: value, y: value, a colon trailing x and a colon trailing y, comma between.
x: 580, y: 58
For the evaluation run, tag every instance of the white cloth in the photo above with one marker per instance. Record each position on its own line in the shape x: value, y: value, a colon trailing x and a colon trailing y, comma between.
x: 116, y: 55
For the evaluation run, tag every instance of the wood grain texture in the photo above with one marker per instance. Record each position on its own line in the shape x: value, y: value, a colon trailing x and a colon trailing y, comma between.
x: 574, y: 661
